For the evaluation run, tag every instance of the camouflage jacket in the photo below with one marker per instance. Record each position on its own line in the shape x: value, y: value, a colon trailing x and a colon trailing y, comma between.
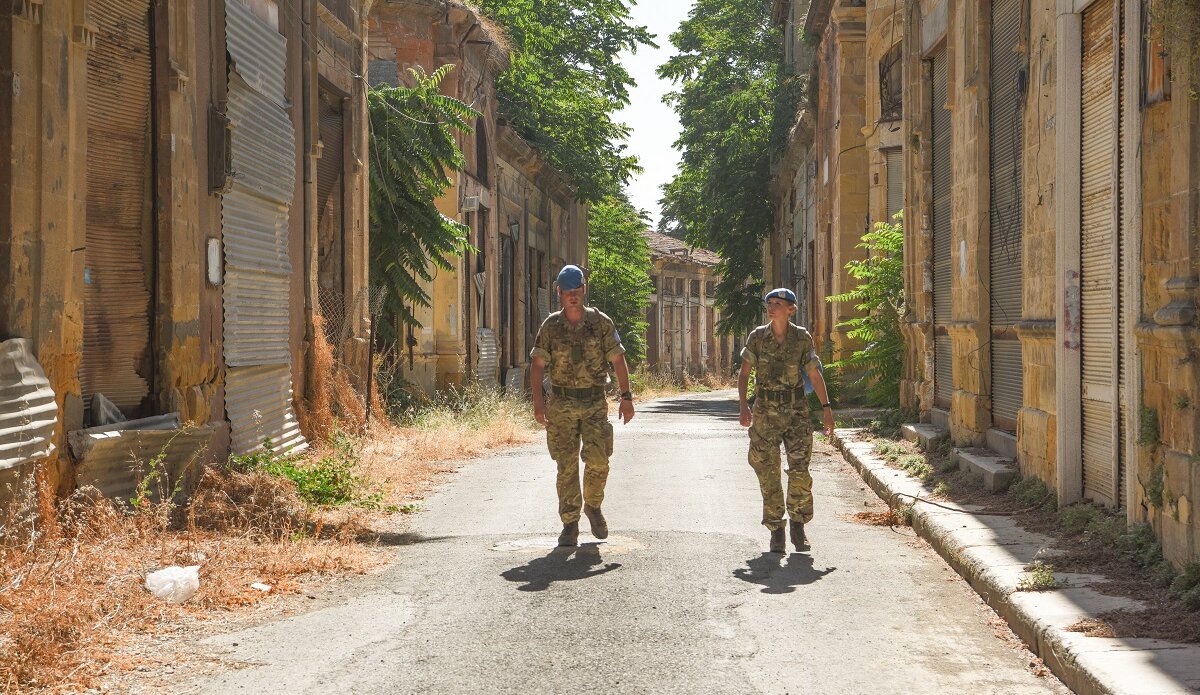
x: 780, y: 366
x: 578, y: 356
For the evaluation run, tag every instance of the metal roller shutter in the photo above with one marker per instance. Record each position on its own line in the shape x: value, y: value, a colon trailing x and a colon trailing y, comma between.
x: 117, y: 357
x: 1123, y: 307
x: 1098, y: 248
x: 942, y: 266
x: 257, y: 292
x: 894, y: 160
x: 1006, y: 109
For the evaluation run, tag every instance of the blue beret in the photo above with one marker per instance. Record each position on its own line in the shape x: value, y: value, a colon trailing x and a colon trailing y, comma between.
x: 570, y: 278
x: 781, y: 293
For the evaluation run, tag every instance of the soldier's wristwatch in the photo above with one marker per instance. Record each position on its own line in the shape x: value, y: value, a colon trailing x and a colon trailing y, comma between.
x: 626, y: 396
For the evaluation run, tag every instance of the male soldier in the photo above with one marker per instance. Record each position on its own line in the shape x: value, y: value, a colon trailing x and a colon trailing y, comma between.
x: 781, y: 353
x: 577, y: 343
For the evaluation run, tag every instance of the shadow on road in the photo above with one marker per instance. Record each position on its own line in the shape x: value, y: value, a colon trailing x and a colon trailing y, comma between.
x: 562, y: 564
x: 722, y: 410
x: 778, y: 576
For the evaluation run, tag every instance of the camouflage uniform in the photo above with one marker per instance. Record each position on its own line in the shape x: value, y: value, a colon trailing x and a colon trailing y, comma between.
x: 779, y: 368
x: 577, y: 357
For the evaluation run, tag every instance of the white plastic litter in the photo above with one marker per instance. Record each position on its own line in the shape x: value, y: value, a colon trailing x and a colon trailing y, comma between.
x: 260, y: 586
x: 174, y: 584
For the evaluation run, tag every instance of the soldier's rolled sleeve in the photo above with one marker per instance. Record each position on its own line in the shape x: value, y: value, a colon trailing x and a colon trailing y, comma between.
x: 612, y: 345
x: 813, y: 361
x: 541, y: 346
x: 748, y: 355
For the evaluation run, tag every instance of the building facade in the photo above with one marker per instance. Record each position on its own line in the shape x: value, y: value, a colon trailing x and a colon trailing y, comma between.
x: 524, y: 220
x: 178, y: 182
x: 682, y: 315
x: 1050, y: 196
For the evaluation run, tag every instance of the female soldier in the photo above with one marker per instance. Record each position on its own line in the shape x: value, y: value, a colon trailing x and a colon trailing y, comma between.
x: 781, y: 353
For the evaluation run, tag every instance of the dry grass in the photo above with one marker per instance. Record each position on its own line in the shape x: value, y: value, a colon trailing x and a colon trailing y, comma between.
x: 406, y: 457
x: 71, y: 583
x: 650, y: 384
x: 331, y: 401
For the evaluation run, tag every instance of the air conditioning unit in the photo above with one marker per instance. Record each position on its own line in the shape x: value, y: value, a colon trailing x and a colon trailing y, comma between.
x: 469, y: 204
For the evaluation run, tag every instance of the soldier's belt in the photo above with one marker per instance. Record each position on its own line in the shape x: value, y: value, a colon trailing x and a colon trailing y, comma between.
x: 590, y: 392
x: 790, y: 396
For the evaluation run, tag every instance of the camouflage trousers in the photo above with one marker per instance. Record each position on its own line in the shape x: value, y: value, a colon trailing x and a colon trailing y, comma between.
x: 571, y: 424
x: 789, y: 424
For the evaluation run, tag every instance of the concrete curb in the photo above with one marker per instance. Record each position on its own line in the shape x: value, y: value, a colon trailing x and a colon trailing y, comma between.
x: 991, y: 552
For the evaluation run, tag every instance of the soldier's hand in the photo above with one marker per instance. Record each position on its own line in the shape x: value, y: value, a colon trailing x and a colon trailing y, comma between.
x: 539, y: 414
x: 746, y: 417
x: 625, y: 411
x: 828, y: 422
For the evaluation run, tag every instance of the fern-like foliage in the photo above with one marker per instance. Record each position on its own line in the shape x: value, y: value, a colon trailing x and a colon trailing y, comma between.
x: 412, y: 152
x: 879, y: 296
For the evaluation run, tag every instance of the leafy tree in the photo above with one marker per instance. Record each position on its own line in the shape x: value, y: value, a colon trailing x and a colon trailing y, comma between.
x: 733, y: 102
x: 566, y: 84
x: 619, y: 260
x: 880, y: 297
x: 412, y: 149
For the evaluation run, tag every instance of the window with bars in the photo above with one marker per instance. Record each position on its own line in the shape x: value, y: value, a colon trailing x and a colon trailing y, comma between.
x: 891, y: 85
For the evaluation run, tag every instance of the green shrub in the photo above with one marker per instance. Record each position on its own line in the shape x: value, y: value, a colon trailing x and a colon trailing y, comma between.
x: 1039, y: 577
x: 916, y: 466
x: 1077, y: 517
x: 1032, y: 492
x: 332, y: 480
x: 1188, y: 579
x: 1148, y: 431
x: 1155, y: 485
x: 1108, y: 531
x: 890, y: 451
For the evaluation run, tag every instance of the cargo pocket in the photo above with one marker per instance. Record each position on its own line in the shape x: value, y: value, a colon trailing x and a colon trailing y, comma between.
x: 608, y: 438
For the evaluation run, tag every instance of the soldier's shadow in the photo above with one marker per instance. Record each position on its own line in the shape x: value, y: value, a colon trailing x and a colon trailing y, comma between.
x: 560, y: 565
x: 780, y: 575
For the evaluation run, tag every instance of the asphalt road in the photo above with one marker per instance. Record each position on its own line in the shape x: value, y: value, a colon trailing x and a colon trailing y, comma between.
x: 682, y: 598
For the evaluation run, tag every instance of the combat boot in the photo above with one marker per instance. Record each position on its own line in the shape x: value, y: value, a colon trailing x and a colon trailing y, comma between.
x: 569, y: 538
x: 778, y: 541
x: 596, y: 519
x: 798, y: 538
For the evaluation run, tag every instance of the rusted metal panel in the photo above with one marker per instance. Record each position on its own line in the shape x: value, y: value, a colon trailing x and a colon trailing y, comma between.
x: 28, y: 412
x: 258, y: 401
x: 117, y: 459
x: 256, y: 296
x: 117, y: 358
x: 487, y: 370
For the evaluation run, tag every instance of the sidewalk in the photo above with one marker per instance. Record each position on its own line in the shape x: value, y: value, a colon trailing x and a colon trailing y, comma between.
x: 991, y: 552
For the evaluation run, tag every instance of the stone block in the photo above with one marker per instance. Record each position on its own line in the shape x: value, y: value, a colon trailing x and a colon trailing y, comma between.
x: 927, y: 436
x: 996, y: 471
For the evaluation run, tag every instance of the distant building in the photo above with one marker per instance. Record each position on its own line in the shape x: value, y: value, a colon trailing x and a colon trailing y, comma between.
x: 682, y: 315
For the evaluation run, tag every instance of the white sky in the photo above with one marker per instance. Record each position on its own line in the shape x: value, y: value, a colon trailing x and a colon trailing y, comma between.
x: 655, y: 126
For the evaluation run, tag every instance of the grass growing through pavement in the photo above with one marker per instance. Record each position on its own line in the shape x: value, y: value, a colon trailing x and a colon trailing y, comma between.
x: 1039, y: 576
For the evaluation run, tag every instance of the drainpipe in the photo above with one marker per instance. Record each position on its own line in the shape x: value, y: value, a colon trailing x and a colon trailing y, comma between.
x: 308, y: 77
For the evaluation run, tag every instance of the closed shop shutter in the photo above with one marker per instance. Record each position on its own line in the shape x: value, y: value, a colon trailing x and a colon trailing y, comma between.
x: 487, y: 370
x: 117, y: 357
x: 942, y: 267
x: 257, y: 292
x: 894, y: 159
x: 1124, y: 308
x: 1098, y: 249
x: 1006, y: 121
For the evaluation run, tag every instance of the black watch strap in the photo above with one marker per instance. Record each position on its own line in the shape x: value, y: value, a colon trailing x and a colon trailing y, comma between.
x: 826, y: 405
x: 626, y: 396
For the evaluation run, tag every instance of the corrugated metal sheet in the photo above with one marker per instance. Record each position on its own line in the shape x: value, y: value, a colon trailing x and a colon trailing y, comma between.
x: 258, y: 50
x: 1124, y: 308
x: 115, y: 459
x: 119, y: 230
x: 942, y: 208
x: 487, y: 370
x: 1098, y: 248
x: 257, y: 292
x: 543, y: 300
x: 258, y: 401
x: 894, y: 161
x: 1006, y: 119
x: 28, y: 412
